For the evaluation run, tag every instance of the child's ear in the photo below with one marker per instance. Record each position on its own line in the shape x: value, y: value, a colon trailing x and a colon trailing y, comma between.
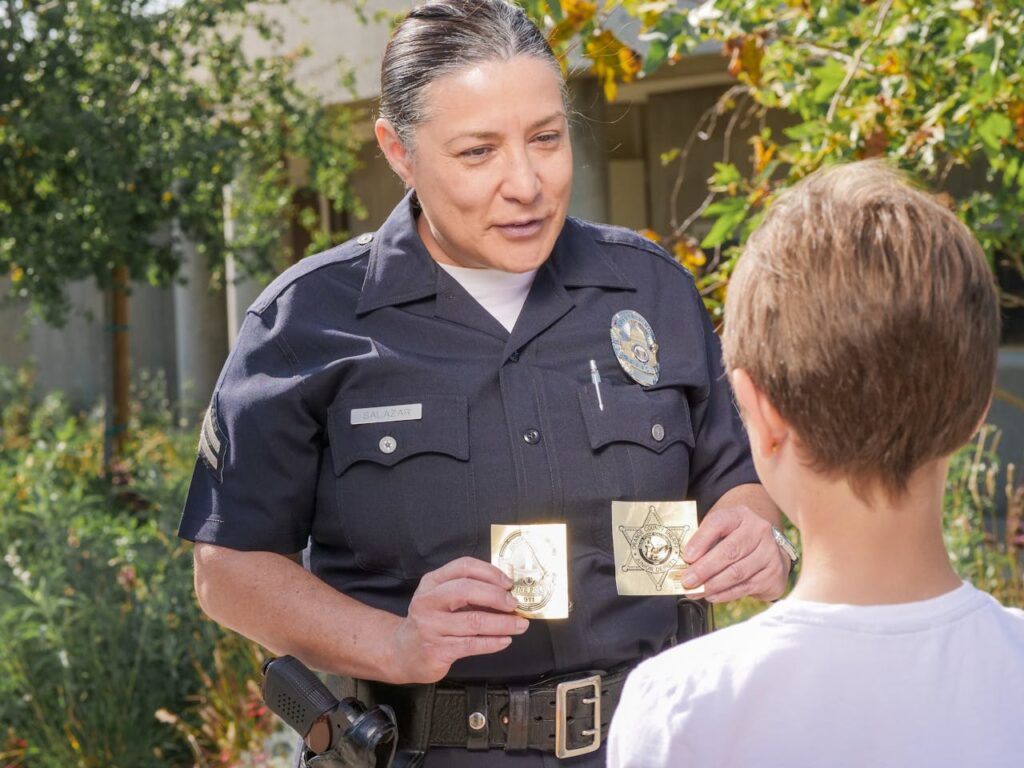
x: 765, y: 425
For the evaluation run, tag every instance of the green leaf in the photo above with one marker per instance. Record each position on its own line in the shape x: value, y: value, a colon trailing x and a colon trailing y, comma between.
x: 994, y: 129
x: 732, y: 212
x: 829, y: 77
x: 725, y: 174
x: 726, y: 205
x: 668, y: 157
x: 810, y: 130
x: 657, y: 54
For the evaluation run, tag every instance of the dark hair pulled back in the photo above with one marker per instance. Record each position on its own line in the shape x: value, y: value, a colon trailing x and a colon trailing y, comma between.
x: 442, y: 37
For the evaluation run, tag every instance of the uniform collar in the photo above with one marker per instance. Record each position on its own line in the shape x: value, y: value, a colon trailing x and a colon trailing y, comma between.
x: 401, y: 270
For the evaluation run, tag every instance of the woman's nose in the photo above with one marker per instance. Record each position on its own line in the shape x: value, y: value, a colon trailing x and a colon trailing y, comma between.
x: 522, y: 180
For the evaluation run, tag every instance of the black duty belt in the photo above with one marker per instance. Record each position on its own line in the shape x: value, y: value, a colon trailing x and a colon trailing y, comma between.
x: 567, y: 715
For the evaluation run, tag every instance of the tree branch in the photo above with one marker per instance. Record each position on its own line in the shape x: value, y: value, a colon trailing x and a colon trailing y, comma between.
x: 709, y: 118
x: 854, y: 65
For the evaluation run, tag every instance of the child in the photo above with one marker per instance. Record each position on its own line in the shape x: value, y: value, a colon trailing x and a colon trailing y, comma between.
x: 860, y: 340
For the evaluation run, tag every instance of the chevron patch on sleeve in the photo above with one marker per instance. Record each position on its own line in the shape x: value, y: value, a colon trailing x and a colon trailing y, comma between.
x: 212, y: 442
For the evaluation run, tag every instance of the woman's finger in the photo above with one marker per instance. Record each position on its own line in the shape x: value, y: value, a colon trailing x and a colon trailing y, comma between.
x: 477, y: 646
x: 735, y: 592
x: 742, y: 571
x: 467, y: 568
x: 483, y: 624
x: 725, y: 554
x: 716, y: 525
x: 458, y: 594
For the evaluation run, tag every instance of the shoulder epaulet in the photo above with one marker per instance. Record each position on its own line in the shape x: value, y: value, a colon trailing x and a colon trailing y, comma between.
x: 347, y: 251
x: 609, y: 234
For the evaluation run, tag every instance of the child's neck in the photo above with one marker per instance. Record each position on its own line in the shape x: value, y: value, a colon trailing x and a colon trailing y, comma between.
x: 877, y: 552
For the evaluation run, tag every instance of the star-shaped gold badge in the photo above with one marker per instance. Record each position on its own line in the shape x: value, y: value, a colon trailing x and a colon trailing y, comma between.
x: 651, y: 547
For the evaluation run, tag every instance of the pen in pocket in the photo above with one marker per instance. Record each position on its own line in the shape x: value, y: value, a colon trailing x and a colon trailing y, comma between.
x: 596, y: 378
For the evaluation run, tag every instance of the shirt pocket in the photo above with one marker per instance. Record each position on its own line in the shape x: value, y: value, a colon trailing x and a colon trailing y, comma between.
x: 404, y: 489
x: 641, y: 443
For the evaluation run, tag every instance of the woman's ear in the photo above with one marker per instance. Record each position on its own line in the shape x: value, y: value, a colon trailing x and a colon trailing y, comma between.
x: 766, y: 427
x: 395, y: 152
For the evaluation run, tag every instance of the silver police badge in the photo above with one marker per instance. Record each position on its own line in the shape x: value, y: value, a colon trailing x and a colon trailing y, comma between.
x: 534, y: 557
x: 648, y: 546
x: 635, y: 347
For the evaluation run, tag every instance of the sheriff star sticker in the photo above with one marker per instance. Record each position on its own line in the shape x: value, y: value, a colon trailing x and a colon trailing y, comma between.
x: 655, y: 548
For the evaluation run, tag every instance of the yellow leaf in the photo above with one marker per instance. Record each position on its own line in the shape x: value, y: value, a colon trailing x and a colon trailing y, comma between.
x: 579, y: 11
x: 575, y: 13
x: 610, y: 87
x: 890, y: 64
x: 612, y: 61
x: 17, y: 274
x: 745, y: 56
x: 762, y: 154
x: 651, y: 235
x: 167, y: 196
x: 689, y: 254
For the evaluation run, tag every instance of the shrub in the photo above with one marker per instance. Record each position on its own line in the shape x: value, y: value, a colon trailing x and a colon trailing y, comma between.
x: 99, y: 629
x: 984, y: 545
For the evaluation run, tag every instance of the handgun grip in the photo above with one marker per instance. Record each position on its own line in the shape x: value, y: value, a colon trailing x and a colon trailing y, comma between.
x: 295, y: 694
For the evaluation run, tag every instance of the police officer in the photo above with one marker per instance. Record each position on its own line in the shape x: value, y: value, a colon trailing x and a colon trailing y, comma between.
x: 389, y: 399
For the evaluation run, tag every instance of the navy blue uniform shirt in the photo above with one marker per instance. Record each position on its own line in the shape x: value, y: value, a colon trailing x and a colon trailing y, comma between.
x: 510, y: 429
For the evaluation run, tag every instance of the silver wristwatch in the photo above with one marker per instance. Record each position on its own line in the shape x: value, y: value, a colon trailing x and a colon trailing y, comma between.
x: 785, y: 545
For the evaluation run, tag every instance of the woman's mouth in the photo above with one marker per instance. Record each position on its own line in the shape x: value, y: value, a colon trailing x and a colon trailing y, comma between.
x: 522, y: 229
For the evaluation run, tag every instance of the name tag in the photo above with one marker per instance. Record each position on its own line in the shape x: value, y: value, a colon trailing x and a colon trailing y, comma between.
x: 381, y: 413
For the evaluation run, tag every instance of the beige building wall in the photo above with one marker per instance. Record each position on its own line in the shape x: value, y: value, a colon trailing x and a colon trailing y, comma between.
x: 75, y: 358
x: 337, y: 38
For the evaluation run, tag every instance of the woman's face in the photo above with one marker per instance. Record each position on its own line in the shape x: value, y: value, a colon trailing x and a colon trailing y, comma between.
x: 492, y: 165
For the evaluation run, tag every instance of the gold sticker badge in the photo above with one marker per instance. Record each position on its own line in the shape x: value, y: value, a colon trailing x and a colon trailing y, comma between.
x: 649, y: 537
x: 535, y: 558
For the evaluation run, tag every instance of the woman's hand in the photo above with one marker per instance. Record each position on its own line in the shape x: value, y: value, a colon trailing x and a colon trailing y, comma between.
x: 734, y: 554
x: 464, y: 608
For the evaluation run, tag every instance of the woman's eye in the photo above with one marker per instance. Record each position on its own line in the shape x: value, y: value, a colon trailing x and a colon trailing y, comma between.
x: 476, y: 153
x: 548, y: 138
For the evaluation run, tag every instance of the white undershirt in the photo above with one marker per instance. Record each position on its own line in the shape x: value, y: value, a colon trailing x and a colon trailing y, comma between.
x: 500, y: 293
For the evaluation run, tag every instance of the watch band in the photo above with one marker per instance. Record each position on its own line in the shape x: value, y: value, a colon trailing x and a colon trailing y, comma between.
x: 785, y: 544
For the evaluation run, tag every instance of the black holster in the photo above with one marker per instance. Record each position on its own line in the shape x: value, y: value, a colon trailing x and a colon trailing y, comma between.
x: 695, y: 619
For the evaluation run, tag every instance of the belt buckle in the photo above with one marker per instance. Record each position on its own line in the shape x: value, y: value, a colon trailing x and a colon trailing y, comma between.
x: 562, y: 749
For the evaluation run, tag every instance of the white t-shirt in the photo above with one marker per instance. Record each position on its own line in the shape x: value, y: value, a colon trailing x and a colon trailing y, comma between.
x: 500, y: 293
x: 932, y: 684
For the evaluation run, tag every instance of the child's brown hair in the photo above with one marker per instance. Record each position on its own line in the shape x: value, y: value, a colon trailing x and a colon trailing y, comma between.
x: 867, y: 314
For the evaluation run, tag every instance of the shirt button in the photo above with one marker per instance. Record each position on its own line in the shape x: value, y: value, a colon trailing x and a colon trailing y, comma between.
x: 365, y: 238
x: 514, y: 357
x: 532, y: 436
x: 658, y: 432
x: 387, y: 444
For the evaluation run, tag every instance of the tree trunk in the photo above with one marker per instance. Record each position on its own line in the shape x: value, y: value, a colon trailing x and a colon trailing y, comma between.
x: 121, y: 365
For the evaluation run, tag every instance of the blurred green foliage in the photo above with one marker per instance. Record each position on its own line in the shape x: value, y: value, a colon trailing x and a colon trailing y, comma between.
x: 122, y: 121
x: 99, y: 628
x: 936, y: 87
